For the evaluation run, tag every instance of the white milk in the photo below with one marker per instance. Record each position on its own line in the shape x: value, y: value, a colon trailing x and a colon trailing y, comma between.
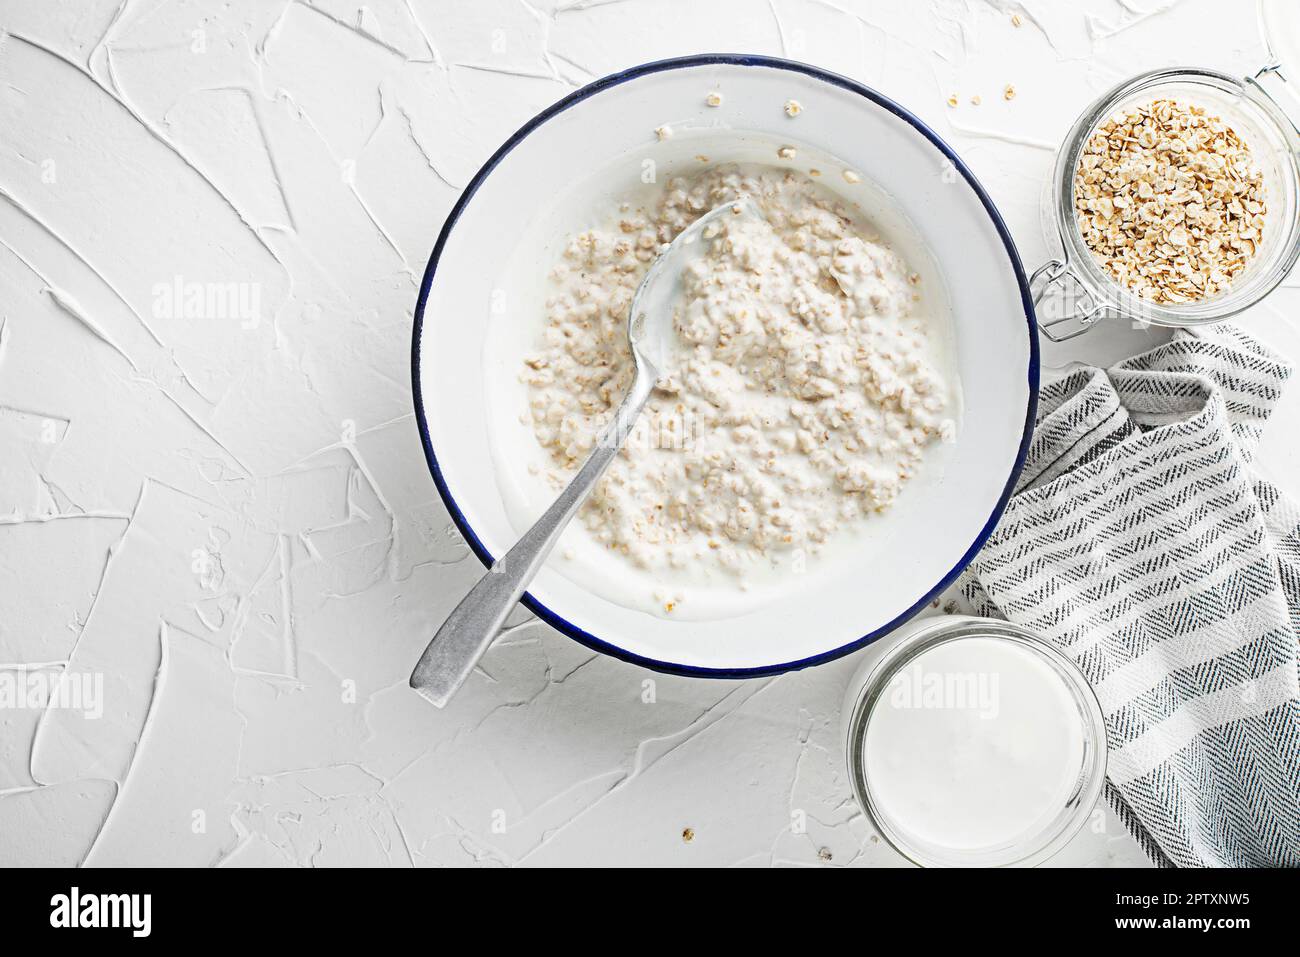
x: 978, y: 744
x: 974, y: 744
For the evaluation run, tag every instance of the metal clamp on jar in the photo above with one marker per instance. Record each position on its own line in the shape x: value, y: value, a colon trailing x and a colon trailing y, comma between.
x: 1264, y: 110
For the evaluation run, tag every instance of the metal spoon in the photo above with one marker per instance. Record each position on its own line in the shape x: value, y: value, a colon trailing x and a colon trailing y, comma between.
x: 466, y: 634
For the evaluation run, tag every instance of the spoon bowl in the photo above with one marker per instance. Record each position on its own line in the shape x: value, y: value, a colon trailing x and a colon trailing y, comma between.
x: 650, y: 318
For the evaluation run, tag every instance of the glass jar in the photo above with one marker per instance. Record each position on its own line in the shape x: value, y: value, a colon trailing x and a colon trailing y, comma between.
x: 1084, y: 293
x: 1038, y: 839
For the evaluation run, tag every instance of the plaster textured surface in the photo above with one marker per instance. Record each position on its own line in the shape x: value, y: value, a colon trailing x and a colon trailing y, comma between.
x: 221, y: 505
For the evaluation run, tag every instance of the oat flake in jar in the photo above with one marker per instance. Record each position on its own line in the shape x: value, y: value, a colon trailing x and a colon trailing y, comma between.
x: 1176, y: 195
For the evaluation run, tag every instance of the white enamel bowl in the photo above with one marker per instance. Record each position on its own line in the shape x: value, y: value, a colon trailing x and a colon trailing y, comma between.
x: 940, y: 520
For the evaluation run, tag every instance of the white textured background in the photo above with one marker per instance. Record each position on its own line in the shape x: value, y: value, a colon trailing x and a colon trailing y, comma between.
x: 233, y: 522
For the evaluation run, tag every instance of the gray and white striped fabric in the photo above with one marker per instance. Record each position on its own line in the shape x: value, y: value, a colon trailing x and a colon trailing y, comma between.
x: 1140, y: 542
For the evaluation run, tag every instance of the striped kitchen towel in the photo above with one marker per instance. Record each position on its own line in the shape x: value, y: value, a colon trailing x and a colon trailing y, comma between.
x: 1141, y: 543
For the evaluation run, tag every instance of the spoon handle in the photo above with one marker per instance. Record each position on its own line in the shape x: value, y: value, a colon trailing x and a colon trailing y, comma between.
x: 466, y: 634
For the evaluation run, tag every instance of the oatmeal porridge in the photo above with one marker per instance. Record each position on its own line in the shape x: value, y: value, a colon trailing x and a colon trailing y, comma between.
x: 806, y: 390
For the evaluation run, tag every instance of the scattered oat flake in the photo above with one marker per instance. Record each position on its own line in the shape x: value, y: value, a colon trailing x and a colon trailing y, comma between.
x: 688, y: 834
x: 663, y: 132
x: 952, y: 100
x: 975, y: 100
x: 786, y: 152
x: 714, y: 98
x: 1009, y: 93
x: 793, y: 107
x: 851, y: 176
x: 1015, y: 20
x: 824, y: 854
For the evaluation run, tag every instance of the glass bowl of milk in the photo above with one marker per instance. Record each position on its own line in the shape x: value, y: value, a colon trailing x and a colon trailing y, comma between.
x: 973, y: 743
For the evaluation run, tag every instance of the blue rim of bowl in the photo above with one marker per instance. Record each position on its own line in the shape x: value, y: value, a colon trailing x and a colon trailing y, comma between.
x: 723, y: 59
